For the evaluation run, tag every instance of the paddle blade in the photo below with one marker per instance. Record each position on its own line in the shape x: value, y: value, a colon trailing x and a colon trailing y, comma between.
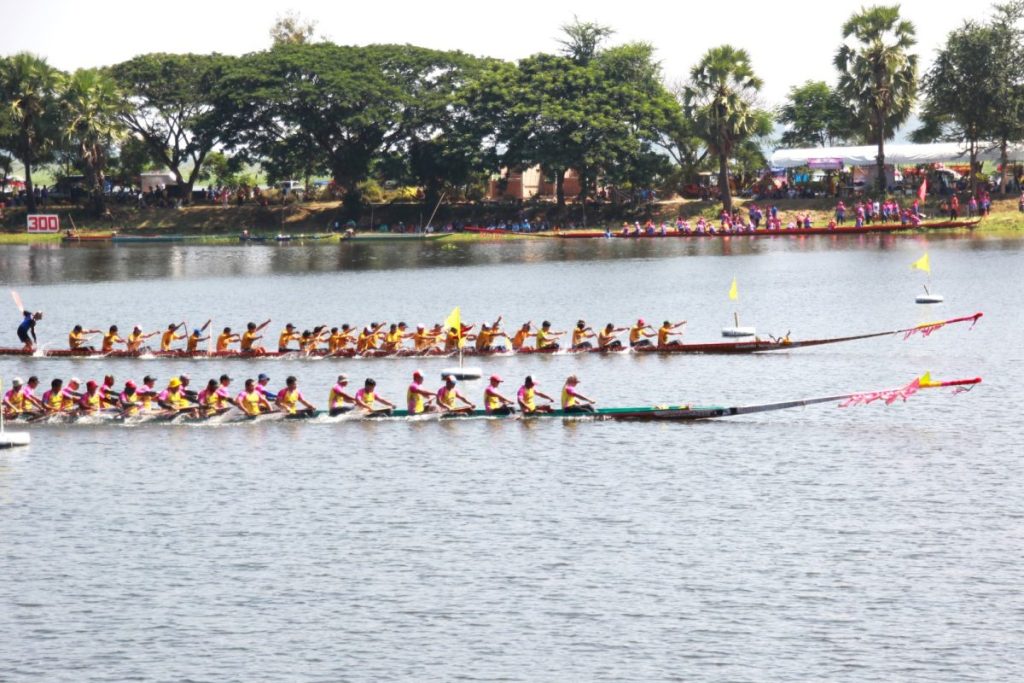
x: 734, y: 291
x: 922, y: 264
x: 17, y: 301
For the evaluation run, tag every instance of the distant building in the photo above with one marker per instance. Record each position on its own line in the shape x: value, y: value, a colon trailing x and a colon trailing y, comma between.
x: 531, y: 183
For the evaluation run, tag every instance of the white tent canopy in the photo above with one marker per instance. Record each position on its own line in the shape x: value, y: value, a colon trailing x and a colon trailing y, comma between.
x: 894, y: 154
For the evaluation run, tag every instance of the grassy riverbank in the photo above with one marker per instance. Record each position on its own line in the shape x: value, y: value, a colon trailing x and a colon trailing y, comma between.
x: 224, y: 223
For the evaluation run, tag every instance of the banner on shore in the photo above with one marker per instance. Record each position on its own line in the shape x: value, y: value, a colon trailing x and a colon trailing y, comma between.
x: 43, y: 222
x: 826, y: 163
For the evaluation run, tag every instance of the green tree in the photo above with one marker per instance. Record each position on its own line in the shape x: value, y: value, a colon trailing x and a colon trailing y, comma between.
x: 815, y: 116
x: 30, y: 92
x: 171, y: 109
x: 292, y: 29
x: 878, y: 74
x: 133, y: 157
x: 93, y: 124
x: 1008, y: 76
x: 583, y: 39
x: 597, y: 111
x: 344, y: 106
x: 721, y: 98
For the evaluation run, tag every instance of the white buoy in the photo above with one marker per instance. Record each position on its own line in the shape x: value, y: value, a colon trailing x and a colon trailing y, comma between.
x: 738, y: 331
x: 928, y: 297
x: 462, y: 373
x: 12, y: 439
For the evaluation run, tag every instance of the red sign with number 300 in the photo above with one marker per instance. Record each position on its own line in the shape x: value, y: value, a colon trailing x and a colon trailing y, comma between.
x: 40, y: 222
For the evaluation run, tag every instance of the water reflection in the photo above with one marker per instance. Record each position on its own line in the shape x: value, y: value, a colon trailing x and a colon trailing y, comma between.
x: 49, y: 264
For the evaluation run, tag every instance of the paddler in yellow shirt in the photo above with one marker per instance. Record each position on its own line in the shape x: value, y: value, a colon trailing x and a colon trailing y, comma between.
x: 192, y: 345
x: 225, y: 339
x: 449, y: 398
x: 572, y: 400
x: 136, y: 337
x: 640, y: 334
x: 667, y: 330
x: 417, y: 399
x: 395, y: 336
x: 76, y: 338
x: 288, y: 335
x: 251, y: 401
x: 546, y: 339
x: 423, y: 340
x: 521, y: 335
x: 251, y: 336
x: 527, y: 396
x: 289, y: 398
x: 171, y: 335
x: 606, y: 339
x: 338, y: 399
x: 367, y: 399
x: 109, y: 339
x: 339, y: 340
x: 494, y: 402
x: 580, y: 334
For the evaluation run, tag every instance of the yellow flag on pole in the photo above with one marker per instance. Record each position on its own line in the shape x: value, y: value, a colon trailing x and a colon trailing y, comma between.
x: 734, y: 291
x: 454, y: 319
x: 922, y: 264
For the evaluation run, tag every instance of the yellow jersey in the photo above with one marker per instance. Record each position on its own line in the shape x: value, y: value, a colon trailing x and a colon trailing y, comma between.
x: 520, y: 338
x: 168, y: 338
x: 223, y: 341
x: 76, y: 340
x: 527, y: 398
x: 248, y: 339
x: 109, y: 340
x: 193, y: 343
x: 286, y: 337
x: 251, y: 402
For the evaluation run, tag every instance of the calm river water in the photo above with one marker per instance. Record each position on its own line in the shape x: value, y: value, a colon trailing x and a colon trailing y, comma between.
x: 872, y: 543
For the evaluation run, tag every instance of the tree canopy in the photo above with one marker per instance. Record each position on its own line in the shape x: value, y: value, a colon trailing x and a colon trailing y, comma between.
x: 878, y: 73
x: 721, y: 98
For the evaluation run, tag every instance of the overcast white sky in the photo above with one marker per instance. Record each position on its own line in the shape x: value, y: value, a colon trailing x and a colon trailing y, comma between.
x: 789, y: 41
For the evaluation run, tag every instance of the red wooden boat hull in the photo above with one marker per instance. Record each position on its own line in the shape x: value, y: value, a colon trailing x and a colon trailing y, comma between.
x: 751, y: 345
x: 867, y: 229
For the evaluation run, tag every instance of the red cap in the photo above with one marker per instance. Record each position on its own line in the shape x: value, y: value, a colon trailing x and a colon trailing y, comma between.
x: 90, y: 385
x: 417, y: 373
x: 495, y: 378
x: 130, y: 384
x: 641, y: 322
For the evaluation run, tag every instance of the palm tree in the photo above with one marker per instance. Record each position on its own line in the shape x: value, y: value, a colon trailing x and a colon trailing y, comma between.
x: 28, y: 89
x: 877, y: 73
x: 721, y: 99
x: 93, y: 106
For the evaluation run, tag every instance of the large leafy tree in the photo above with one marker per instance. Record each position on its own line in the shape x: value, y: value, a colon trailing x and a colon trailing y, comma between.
x: 815, y: 116
x: 878, y: 73
x: 171, y: 109
x: 30, y: 94
x: 93, y: 125
x: 347, y: 106
x: 721, y: 98
x: 597, y: 111
x: 1007, y: 74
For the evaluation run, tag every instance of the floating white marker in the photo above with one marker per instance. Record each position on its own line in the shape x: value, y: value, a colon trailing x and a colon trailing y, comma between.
x: 12, y: 439
x: 462, y: 373
x: 928, y: 297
